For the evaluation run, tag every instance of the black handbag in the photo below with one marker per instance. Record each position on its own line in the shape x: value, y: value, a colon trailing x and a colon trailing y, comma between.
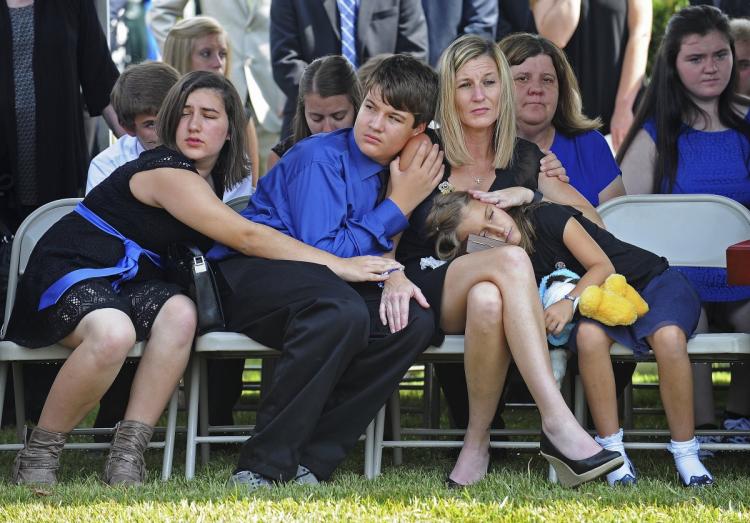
x: 188, y: 268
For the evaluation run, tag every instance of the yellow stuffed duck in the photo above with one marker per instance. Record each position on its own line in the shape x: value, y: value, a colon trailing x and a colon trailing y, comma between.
x: 615, y: 302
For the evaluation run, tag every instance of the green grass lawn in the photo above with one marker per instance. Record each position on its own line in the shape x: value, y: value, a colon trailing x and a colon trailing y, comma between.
x: 515, y: 490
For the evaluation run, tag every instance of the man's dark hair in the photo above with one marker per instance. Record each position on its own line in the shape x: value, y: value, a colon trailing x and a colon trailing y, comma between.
x: 406, y: 84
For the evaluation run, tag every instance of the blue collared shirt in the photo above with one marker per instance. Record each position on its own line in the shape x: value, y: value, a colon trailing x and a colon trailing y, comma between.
x: 323, y: 192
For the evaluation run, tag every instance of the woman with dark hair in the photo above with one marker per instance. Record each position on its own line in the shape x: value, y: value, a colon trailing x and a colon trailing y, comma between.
x: 169, y: 194
x: 692, y: 135
x: 329, y: 98
x: 549, y: 113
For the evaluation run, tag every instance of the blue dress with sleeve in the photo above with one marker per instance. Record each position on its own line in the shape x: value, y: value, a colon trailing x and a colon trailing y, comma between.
x: 712, y: 163
x: 588, y: 161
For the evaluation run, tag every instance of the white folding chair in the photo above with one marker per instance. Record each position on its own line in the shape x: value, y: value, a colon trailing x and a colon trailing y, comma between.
x: 28, y: 234
x: 691, y: 230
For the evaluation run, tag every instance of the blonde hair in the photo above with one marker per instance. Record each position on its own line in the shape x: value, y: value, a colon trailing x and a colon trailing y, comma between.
x: 740, y: 29
x: 462, y: 50
x: 178, y: 47
x: 447, y: 214
x: 569, y: 118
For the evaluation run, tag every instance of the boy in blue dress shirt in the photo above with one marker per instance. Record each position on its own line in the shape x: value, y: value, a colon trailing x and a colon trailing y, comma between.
x: 338, y: 363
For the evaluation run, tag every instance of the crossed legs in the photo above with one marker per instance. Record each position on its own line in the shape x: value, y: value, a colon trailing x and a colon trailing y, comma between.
x: 492, y: 297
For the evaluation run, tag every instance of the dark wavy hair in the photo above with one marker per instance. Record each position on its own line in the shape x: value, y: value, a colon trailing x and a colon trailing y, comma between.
x: 233, y: 164
x: 666, y: 100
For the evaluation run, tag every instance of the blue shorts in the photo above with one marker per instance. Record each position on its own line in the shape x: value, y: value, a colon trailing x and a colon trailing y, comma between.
x: 671, y: 299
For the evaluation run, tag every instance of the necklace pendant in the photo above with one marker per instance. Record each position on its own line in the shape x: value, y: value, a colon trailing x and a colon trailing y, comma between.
x: 478, y: 180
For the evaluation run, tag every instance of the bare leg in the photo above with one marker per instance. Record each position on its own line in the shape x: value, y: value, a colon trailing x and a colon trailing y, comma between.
x: 163, y: 361
x: 509, y: 269
x: 101, y: 342
x: 598, y: 379
x: 486, y: 360
x: 675, y: 380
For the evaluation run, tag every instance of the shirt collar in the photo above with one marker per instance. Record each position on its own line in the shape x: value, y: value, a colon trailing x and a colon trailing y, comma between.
x: 364, y: 165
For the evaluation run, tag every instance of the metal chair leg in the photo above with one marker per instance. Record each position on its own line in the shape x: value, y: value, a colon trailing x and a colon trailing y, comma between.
x: 192, y: 421
x: 3, y: 382
x: 378, y: 447
x: 203, y: 411
x: 369, y: 449
x: 169, y: 436
x: 434, y: 399
x: 395, y: 406
x: 627, y: 407
x: 580, y: 402
x: 20, y: 402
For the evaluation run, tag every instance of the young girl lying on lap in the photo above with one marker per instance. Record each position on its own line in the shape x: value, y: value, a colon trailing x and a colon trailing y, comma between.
x: 557, y: 236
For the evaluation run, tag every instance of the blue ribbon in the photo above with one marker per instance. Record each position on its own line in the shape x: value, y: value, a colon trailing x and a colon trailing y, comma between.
x: 127, y: 266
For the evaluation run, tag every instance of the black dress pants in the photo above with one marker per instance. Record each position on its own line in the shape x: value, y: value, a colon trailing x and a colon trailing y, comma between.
x: 338, y: 363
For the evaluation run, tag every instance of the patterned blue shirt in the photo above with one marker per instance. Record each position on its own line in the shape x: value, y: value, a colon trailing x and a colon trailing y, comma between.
x: 324, y: 192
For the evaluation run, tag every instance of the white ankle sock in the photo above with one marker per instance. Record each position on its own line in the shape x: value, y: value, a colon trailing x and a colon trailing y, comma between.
x: 614, y: 442
x: 687, y: 461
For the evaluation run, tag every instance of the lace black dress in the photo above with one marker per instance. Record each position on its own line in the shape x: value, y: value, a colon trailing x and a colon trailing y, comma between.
x: 74, y: 243
x: 417, y: 243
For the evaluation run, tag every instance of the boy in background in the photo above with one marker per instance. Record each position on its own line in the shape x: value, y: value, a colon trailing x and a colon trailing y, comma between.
x: 136, y: 99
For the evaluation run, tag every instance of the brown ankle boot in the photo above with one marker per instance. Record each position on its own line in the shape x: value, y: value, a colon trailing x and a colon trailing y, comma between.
x: 125, y: 464
x: 38, y: 461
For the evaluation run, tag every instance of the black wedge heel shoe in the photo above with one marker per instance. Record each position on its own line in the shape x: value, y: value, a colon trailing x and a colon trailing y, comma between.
x: 572, y: 473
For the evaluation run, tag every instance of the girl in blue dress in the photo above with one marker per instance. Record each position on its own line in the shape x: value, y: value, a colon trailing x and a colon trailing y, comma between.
x: 692, y: 135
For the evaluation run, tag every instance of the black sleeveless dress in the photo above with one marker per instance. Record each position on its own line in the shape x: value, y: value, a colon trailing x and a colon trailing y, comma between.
x: 74, y: 243
x: 417, y: 243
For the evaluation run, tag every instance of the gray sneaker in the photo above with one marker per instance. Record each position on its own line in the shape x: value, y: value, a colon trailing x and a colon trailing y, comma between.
x: 305, y: 476
x: 249, y: 481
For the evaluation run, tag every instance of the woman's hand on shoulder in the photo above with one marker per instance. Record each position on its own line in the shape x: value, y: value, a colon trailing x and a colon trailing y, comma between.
x: 398, y: 291
x: 552, y: 167
x: 505, y: 198
x: 364, y: 268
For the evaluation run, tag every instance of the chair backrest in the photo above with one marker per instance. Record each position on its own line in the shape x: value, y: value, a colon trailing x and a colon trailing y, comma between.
x: 687, y: 229
x: 26, y: 238
x: 239, y: 203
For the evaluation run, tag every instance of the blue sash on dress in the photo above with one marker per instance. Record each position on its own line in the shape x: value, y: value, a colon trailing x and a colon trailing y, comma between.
x: 127, y: 266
